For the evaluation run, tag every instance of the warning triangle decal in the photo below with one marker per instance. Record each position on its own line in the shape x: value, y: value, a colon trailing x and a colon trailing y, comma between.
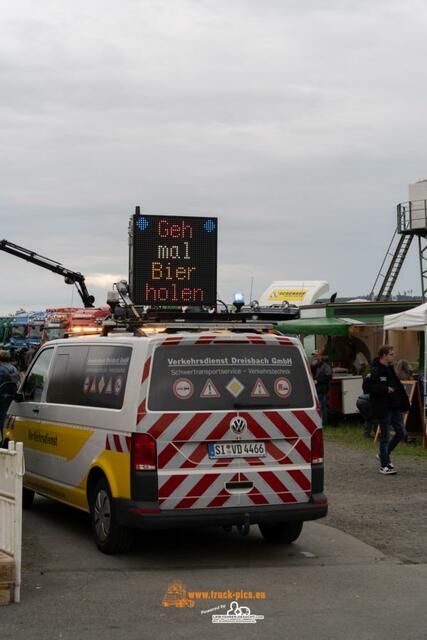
x: 209, y: 390
x: 259, y: 390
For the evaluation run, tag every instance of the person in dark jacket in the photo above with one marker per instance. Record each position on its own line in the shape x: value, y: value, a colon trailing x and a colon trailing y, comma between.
x: 322, y: 380
x: 315, y: 363
x: 389, y: 400
x: 9, y: 378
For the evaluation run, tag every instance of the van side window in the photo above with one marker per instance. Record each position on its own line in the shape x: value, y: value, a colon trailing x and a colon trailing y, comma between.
x: 36, y: 378
x: 90, y: 376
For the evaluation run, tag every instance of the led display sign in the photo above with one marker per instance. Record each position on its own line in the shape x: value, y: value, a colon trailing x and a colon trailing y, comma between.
x: 173, y: 260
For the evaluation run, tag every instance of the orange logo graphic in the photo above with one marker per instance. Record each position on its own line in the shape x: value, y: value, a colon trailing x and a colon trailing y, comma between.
x: 176, y: 596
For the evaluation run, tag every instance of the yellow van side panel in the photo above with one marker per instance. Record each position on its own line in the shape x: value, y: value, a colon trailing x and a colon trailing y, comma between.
x: 75, y: 497
x: 18, y: 429
x: 67, y: 442
x: 116, y: 467
x: 51, y: 437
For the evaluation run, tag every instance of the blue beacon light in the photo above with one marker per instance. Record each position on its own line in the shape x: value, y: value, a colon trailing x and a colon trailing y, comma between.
x: 239, y: 301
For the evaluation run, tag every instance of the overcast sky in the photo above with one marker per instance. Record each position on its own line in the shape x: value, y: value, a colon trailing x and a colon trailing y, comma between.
x: 298, y: 123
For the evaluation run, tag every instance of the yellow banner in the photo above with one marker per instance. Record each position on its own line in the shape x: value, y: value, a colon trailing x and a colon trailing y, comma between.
x: 279, y: 295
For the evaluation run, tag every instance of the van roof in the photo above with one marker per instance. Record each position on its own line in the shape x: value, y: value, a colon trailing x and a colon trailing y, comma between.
x: 130, y: 338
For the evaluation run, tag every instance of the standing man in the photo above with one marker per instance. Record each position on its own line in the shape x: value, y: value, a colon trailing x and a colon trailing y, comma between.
x: 322, y: 380
x: 389, y: 400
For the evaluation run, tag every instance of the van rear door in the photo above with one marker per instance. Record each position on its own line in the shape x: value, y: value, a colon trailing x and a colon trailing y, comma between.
x: 233, y: 419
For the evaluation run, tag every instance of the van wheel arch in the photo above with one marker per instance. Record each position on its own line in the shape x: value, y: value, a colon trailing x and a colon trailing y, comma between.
x: 27, y: 498
x: 110, y: 536
x: 94, y: 476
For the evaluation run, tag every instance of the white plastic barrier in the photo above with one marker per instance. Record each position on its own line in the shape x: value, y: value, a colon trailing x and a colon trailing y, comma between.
x: 12, y: 469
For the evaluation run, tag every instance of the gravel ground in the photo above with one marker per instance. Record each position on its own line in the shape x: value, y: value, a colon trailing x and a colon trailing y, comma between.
x: 387, y: 512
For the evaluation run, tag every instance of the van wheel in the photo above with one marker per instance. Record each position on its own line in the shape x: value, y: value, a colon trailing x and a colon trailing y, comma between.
x: 110, y: 537
x: 27, y: 498
x: 281, y: 532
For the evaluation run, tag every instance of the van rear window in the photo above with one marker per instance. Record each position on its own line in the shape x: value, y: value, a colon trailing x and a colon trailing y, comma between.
x: 227, y: 377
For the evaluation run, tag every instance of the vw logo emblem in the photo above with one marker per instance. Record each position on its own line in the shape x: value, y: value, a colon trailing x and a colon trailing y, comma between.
x: 238, y: 425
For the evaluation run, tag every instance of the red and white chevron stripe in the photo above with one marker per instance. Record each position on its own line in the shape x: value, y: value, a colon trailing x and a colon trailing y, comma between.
x: 273, y: 486
x: 116, y: 442
x: 188, y: 478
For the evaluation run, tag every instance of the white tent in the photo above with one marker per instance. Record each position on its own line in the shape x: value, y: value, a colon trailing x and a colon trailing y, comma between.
x: 412, y: 320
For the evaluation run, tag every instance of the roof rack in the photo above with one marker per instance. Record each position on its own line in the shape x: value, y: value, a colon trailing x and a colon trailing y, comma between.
x: 127, y: 317
x: 145, y: 328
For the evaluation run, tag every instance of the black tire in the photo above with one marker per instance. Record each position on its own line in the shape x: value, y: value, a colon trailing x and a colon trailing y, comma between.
x: 281, y: 532
x: 27, y: 498
x: 110, y: 537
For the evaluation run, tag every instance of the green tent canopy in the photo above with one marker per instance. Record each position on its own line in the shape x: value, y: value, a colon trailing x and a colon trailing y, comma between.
x: 318, y: 326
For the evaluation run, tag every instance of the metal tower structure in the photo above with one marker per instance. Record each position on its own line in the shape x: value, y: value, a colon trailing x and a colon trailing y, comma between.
x: 411, y: 223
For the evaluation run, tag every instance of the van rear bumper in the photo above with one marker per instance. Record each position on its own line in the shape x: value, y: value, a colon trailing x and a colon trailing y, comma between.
x: 145, y: 515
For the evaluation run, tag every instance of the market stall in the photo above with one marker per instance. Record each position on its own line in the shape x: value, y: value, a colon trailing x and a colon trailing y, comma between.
x: 347, y: 352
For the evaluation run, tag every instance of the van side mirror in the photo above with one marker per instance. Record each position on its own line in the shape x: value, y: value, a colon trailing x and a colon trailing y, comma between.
x: 19, y: 396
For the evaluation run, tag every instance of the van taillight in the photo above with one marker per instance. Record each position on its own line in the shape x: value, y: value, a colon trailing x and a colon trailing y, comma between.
x: 143, y: 453
x: 317, y: 446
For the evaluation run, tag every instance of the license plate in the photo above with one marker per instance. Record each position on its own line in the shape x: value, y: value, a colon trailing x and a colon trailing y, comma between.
x: 236, y: 450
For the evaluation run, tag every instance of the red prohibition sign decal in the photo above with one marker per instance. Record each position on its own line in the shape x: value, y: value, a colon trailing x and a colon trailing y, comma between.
x: 282, y: 387
x: 183, y: 388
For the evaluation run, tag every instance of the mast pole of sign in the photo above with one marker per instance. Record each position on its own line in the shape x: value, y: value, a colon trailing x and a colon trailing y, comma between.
x: 252, y: 286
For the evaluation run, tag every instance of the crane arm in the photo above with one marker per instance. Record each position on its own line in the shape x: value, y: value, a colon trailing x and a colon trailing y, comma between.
x: 70, y: 277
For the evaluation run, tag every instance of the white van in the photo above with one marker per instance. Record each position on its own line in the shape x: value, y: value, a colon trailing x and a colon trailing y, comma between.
x: 166, y: 430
